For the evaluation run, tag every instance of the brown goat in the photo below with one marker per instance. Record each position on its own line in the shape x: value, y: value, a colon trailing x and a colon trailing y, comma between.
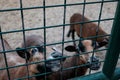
x: 88, y: 29
x: 36, y: 54
x: 31, y: 55
x: 73, y: 61
x: 69, y: 62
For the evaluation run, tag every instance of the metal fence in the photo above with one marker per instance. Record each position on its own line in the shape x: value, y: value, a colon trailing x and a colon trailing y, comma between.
x: 109, y: 71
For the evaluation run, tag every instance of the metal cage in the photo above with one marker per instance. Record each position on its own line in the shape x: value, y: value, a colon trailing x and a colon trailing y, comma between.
x: 109, y: 70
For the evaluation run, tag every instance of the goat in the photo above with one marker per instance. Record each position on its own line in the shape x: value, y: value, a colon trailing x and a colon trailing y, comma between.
x: 74, y: 61
x: 69, y: 62
x: 34, y: 54
x: 88, y: 30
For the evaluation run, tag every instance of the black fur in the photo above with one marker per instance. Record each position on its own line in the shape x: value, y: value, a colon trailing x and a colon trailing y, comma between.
x: 23, y: 53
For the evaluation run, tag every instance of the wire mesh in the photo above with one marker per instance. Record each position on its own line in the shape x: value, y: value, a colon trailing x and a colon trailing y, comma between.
x: 44, y: 27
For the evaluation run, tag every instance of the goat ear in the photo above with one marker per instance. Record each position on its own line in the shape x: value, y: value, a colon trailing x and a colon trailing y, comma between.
x: 22, y: 53
x: 70, y: 48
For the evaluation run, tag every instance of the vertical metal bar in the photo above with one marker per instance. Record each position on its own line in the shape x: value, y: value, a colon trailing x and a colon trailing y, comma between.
x: 101, y: 8
x: 64, y: 18
x: 44, y: 24
x: 8, y: 73
x: 23, y: 28
x: 83, y: 13
x: 114, y: 46
x: 97, y: 30
x: 81, y: 26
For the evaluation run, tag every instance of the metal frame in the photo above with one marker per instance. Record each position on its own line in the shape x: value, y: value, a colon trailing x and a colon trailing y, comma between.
x: 109, y: 71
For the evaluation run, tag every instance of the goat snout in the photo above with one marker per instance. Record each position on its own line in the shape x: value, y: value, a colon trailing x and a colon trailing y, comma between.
x: 55, y: 60
x: 43, y: 68
x: 58, y: 55
x: 94, y: 63
x: 54, y: 65
x: 34, y: 50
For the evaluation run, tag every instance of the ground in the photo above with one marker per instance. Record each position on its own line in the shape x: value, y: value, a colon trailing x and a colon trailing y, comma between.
x: 33, y: 18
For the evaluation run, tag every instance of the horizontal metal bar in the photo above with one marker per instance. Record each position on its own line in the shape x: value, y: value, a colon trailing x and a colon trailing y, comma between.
x: 61, y: 25
x: 82, y: 53
x: 5, y: 51
x: 51, y: 6
x: 53, y: 72
x: 99, y: 76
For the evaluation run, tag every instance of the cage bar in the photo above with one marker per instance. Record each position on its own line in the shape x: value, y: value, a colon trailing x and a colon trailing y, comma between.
x: 114, y: 46
x: 109, y: 71
x: 99, y: 76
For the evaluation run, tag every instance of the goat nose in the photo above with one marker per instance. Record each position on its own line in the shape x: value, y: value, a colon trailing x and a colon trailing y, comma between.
x: 94, y: 63
x: 57, y: 54
x: 34, y: 50
x: 43, y: 68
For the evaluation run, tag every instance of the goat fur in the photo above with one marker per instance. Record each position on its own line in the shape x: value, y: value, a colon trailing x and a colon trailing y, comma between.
x: 18, y: 72
x: 12, y: 60
x: 88, y: 29
x: 74, y: 61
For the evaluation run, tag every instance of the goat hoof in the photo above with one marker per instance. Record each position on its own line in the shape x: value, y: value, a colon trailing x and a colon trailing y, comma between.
x: 94, y: 63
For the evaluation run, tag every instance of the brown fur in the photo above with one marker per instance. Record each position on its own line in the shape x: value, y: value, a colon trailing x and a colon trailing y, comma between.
x: 74, y: 61
x: 67, y: 74
x: 12, y: 60
x: 69, y: 62
x: 22, y: 71
x: 88, y: 29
